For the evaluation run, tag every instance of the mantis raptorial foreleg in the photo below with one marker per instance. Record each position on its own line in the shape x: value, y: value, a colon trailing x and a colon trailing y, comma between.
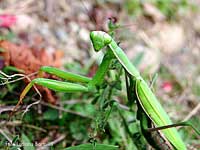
x: 88, y: 84
x: 69, y: 76
x: 54, y: 85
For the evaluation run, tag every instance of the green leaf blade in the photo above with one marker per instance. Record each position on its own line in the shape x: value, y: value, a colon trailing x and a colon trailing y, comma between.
x: 92, y: 147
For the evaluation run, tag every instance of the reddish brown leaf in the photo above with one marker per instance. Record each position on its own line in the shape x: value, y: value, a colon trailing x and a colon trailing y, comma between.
x: 30, y: 60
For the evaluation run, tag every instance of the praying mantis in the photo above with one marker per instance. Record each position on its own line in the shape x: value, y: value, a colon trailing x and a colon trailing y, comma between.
x: 150, y: 109
x: 146, y: 99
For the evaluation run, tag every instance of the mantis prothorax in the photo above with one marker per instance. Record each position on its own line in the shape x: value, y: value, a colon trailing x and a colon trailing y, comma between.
x: 146, y: 100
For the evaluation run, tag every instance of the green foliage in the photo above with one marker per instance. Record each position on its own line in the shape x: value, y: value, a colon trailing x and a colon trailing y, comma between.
x: 93, y: 147
x: 7, y: 36
x: 2, y: 50
x: 27, y: 145
x: 14, y: 145
x: 170, y: 8
x: 78, y: 130
x: 50, y: 114
x: 133, y: 7
x: 12, y: 69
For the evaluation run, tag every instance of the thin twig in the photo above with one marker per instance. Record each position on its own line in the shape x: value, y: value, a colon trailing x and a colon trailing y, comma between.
x: 11, y: 76
x: 72, y: 102
x: 6, y: 136
x: 66, y: 110
x: 20, y: 123
x: 11, y: 123
x: 6, y: 108
x: 192, y: 113
x: 29, y: 106
x: 22, y: 76
x: 124, y: 107
x: 62, y: 137
x: 35, y: 127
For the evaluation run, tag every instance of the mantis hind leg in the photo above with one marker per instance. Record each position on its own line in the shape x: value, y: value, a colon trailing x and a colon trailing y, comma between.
x: 154, y: 137
x: 186, y: 123
x: 67, y: 86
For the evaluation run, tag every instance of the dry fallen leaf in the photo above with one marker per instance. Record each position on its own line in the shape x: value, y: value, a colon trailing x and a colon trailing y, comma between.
x: 30, y: 60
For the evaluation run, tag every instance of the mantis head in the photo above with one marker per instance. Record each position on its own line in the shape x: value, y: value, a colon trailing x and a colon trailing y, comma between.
x: 100, y: 39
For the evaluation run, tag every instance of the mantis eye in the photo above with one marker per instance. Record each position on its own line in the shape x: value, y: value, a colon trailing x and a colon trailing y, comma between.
x: 100, y: 39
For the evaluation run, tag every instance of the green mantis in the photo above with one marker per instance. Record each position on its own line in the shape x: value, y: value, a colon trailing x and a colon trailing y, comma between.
x: 146, y: 99
x: 149, y: 107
